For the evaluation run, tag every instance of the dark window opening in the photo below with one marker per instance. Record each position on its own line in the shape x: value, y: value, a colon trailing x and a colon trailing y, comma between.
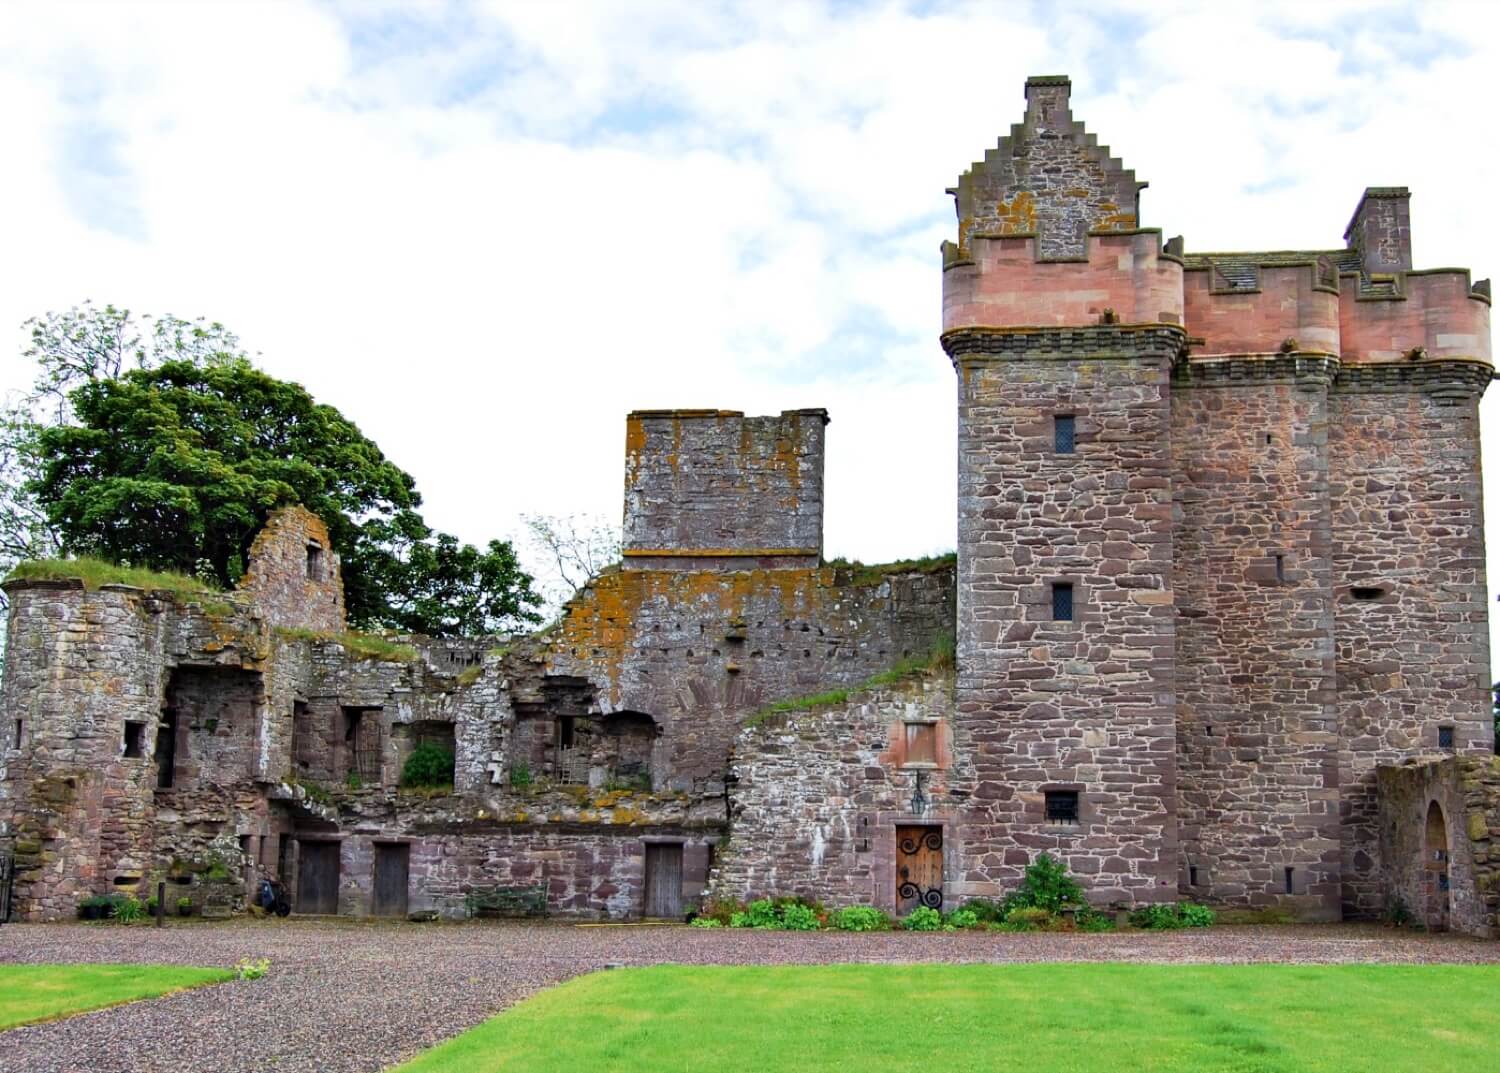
x: 362, y: 745
x: 567, y: 729
x: 921, y: 743
x: 1289, y: 878
x: 1281, y: 568
x: 1062, y: 806
x: 166, y: 749
x: 1192, y: 875
x: 314, y: 562
x: 1268, y: 439
x: 1064, y: 440
x: 1445, y: 737
x: 20, y: 730
x: 135, y: 736
x: 1366, y: 592
x: 1062, y: 602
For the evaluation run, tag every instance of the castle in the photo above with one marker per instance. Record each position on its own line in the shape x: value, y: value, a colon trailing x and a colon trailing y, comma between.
x: 1218, y: 606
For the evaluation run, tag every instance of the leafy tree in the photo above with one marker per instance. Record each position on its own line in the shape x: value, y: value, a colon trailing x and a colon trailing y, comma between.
x: 572, y: 549
x: 177, y: 466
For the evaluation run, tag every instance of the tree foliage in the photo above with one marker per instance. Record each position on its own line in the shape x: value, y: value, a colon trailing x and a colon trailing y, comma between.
x: 572, y: 548
x: 170, y: 452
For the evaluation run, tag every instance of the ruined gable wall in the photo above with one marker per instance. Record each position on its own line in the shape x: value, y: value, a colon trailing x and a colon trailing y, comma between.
x: 1257, y: 735
x: 1407, y: 517
x: 293, y: 574
x: 820, y: 793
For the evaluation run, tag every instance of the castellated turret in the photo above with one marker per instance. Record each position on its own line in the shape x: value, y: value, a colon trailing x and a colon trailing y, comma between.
x: 1221, y: 547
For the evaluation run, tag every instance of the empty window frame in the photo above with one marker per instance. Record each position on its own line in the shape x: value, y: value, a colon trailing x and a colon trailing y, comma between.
x: 1445, y: 737
x: 1366, y: 592
x: 15, y: 743
x: 1062, y: 601
x: 135, y: 737
x: 921, y: 743
x: 1062, y: 806
x: 314, y: 562
x: 1064, y: 434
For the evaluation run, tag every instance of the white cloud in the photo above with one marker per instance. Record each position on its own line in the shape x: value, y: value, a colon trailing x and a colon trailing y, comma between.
x: 485, y: 231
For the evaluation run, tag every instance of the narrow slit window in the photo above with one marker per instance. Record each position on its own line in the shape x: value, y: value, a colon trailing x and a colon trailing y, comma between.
x: 1445, y: 737
x: 135, y: 735
x: 1062, y: 601
x: 1062, y: 806
x: 1280, y: 567
x: 1064, y: 440
x: 20, y: 731
x: 1192, y: 875
x: 1268, y: 439
x: 1289, y: 877
x: 314, y: 562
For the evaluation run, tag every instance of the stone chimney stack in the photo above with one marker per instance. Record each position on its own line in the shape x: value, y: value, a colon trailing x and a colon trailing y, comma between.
x: 1381, y: 230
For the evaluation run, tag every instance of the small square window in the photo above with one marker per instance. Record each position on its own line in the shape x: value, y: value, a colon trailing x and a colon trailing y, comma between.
x: 1063, y: 434
x: 1062, y: 601
x: 135, y: 735
x: 921, y: 743
x: 1062, y: 806
x: 1445, y: 737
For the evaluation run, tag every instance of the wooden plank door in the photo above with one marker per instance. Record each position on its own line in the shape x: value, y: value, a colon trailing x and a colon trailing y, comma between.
x: 919, y: 868
x: 318, y: 877
x: 392, y: 865
x: 664, y: 880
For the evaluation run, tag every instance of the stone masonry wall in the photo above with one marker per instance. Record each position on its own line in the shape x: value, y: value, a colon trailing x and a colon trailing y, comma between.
x: 820, y: 793
x: 699, y: 650
x: 1257, y: 736
x: 293, y: 573
x: 720, y: 486
x: 1408, y: 527
x: 1087, y: 704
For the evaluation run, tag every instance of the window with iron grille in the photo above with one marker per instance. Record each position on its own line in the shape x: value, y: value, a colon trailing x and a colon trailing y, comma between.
x: 1445, y: 737
x: 1063, y: 440
x: 1062, y: 806
x: 1062, y: 601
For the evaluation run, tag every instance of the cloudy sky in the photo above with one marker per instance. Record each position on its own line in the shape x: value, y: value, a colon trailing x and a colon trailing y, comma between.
x: 486, y: 230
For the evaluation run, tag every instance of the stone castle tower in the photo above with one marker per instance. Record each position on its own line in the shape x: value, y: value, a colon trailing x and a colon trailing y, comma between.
x: 1221, y: 546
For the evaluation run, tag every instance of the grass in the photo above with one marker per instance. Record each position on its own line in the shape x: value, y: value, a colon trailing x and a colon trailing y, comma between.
x: 1055, y: 1018
x: 30, y: 993
x: 96, y: 572
x: 359, y: 645
x: 941, y: 658
x: 859, y: 573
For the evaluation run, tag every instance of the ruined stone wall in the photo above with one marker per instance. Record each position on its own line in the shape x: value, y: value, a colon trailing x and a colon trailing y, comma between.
x: 1408, y: 533
x: 698, y: 651
x: 820, y: 793
x: 714, y: 487
x: 1086, y: 704
x: 293, y: 573
x: 1257, y: 735
x: 1467, y: 790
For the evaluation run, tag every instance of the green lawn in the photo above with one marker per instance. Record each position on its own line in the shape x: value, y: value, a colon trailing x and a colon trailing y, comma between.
x: 1057, y: 1018
x: 45, y: 992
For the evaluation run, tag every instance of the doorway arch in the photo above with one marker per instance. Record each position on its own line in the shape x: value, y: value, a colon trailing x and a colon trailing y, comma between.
x: 1435, y: 869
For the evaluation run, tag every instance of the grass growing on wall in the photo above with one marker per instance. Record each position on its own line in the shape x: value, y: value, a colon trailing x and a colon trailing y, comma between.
x: 939, y: 659
x: 359, y: 645
x: 30, y: 993
x: 874, y: 573
x: 1051, y: 1018
x: 96, y: 572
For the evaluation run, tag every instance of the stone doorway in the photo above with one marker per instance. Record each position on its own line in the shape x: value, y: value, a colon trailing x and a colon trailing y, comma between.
x: 1435, y: 893
x: 318, y: 878
x: 392, y: 869
x: 664, y: 880
x: 919, y: 868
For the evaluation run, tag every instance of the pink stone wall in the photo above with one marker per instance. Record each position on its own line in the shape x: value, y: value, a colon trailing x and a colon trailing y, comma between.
x: 1438, y: 314
x: 1288, y: 305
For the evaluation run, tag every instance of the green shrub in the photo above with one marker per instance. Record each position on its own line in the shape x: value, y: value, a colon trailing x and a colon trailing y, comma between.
x: 923, y: 919
x: 739, y: 920
x: 1046, y: 885
x: 798, y: 917
x: 705, y: 922
x: 1029, y: 918
x: 861, y: 918
x: 1089, y: 920
x: 128, y: 909
x: 247, y: 969
x: 720, y: 909
x: 1168, y: 915
x: 985, y: 910
x: 762, y: 913
x: 963, y: 918
x: 354, y: 782
x: 1398, y: 914
x: 430, y: 765
x: 520, y: 774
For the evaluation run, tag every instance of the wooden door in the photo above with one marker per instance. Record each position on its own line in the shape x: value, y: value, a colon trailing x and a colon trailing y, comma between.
x: 391, y: 867
x: 664, y: 880
x: 318, y: 877
x: 919, y: 868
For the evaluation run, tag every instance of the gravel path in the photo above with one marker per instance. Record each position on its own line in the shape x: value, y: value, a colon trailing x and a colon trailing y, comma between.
x: 348, y: 996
